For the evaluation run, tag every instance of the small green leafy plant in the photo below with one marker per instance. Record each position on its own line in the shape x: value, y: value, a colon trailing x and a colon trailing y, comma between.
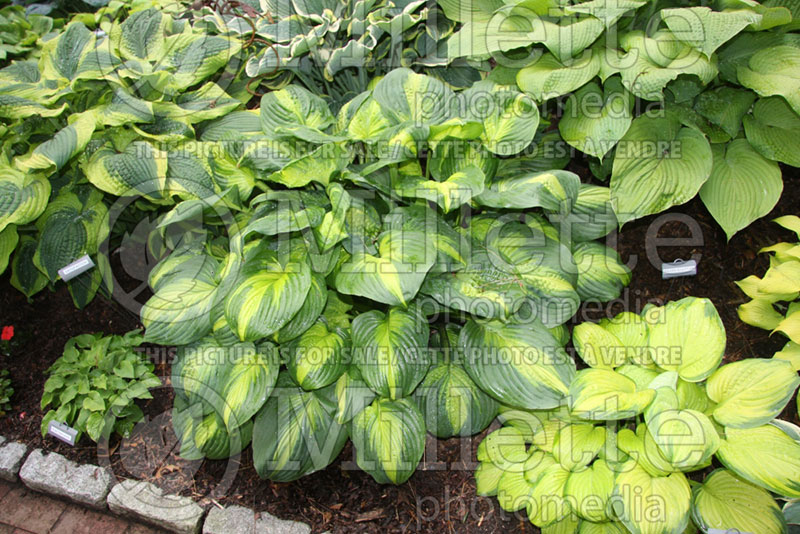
x: 631, y: 449
x: 95, y: 382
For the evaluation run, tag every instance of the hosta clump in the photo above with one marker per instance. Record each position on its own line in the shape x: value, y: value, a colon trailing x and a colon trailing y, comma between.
x: 336, y: 266
x: 628, y: 450
x: 95, y: 382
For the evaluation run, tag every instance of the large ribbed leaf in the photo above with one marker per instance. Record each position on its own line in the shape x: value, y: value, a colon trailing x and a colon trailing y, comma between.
x: 774, y: 72
x: 743, y: 178
x: 24, y: 275
x: 773, y: 130
x: 674, y: 331
x: 318, y: 357
x: 54, y: 153
x: 576, y: 445
x: 138, y: 169
x: 449, y: 194
x: 23, y: 197
x: 518, y: 364
x: 553, y: 190
x: 725, y: 107
x: 591, y: 489
x: 509, y: 117
x: 548, y: 77
x: 393, y: 277
x: 751, y: 392
x: 724, y: 502
x: 307, y: 315
x: 651, y: 505
x: 295, y: 434
x: 658, y: 164
x: 389, y: 437
x: 295, y: 112
x: 317, y: 166
x: 601, y: 394
x: 707, y: 30
x: 641, y: 447
x: 193, y: 57
x: 352, y: 395
x: 141, y: 35
x: 390, y: 350
x: 408, y: 97
x: 62, y: 54
x: 591, y: 215
x: 203, y: 434
x: 598, y: 347
x: 8, y: 242
x: 601, y: 273
x: 765, y: 456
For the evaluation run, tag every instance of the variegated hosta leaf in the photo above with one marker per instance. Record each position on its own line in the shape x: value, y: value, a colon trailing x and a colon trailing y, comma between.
x: 518, y: 364
x: 141, y: 35
x: 744, y: 178
x: 208, y: 102
x: 203, y: 434
x: 191, y: 57
x: 138, y: 169
x: 266, y: 294
x: 751, y: 392
x: 658, y: 164
x: 295, y: 433
x: 717, y: 503
x: 352, y: 395
x: 393, y: 277
x: 548, y: 502
x: 23, y: 196
x: 62, y: 55
x: 652, y: 505
x: 449, y: 194
x: 281, y: 212
x: 234, y: 381
x: 318, y: 357
x: 389, y: 438
x: 577, y: 445
x: 553, y: 190
x: 8, y: 242
x: 600, y: 394
x: 453, y: 405
x: 548, y: 77
x: 612, y: 527
x: 317, y: 166
x: 773, y: 129
x: 643, y: 450
x: 307, y: 315
x: 54, y: 153
x: 509, y: 118
x: 598, y: 347
x: 774, y: 72
x: 408, y: 97
x: 24, y: 275
x: 601, y: 273
x: 596, y: 118
x: 591, y: 489
x: 591, y: 216
x: 390, y: 350
x: 765, y: 456
x: 18, y: 107
x: 707, y: 30
x: 295, y: 112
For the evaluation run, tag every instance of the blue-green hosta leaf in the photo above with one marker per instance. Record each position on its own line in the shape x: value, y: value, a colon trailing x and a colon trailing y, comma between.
x: 141, y: 35
x: 266, y: 294
x: 601, y: 394
x: 389, y: 438
x: 244, y: 124
x: 713, y: 505
x: 54, y: 153
x: 452, y: 403
x: 295, y: 433
x: 725, y: 107
x: 591, y: 216
x: 295, y: 112
x: 601, y: 273
x: 390, y: 350
x: 552, y: 190
x: 596, y: 118
x: 469, y: 10
x: 369, y: 122
x: 23, y: 197
x: 707, y: 30
x: 774, y: 72
x: 568, y: 37
x: 646, y: 504
x: 658, y: 164
x: 208, y: 102
x: 743, y: 178
x: 122, y: 109
x: 765, y: 456
x: 549, y: 77
x: 509, y: 117
x: 166, y: 130
x: 8, y: 242
x: 281, y: 212
x: 591, y: 489
x: 674, y: 330
x: 449, y: 194
x: 18, y: 107
x: 62, y: 54
x: 393, y: 277
x: 317, y: 166
x: 352, y: 395
x: 751, y: 392
x: 193, y: 57
x: 773, y: 130
x: 318, y: 357
x: 139, y: 169
x: 24, y: 275
x: 332, y: 229
x: 408, y: 97
x: 518, y: 364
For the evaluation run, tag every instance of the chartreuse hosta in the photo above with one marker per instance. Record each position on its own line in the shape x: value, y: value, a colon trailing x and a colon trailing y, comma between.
x: 633, y: 447
x: 319, y: 309
x: 669, y: 101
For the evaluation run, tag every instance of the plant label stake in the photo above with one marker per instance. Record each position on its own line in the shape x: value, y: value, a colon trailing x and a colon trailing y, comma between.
x: 77, y: 267
x: 62, y: 432
x: 678, y: 268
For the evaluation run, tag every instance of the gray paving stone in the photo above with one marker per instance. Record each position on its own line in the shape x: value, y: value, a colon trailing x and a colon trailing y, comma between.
x: 269, y: 524
x: 55, y: 475
x: 11, y: 456
x: 231, y: 520
x: 147, y: 503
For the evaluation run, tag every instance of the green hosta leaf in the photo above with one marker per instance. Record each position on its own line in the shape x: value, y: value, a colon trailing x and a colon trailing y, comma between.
x: 601, y: 273
x: 607, y: 11
x: 8, y: 242
x: 333, y: 229
x: 139, y: 169
x: 389, y: 438
x: 553, y: 190
x: 452, y: 403
x: 295, y: 434
x: 408, y: 97
x: 772, y: 72
x: 674, y: 331
x: 569, y: 36
x: 141, y: 35
x: 317, y: 166
x: 601, y: 394
x: 393, y: 277
x: 307, y: 315
x: 658, y: 164
x: 751, y: 392
x: 547, y: 500
x: 318, y: 357
x: 390, y: 350
x: 652, y: 505
x: 295, y: 112
x: 54, y: 153
x: 704, y: 29
x: 18, y: 107
x: 773, y: 130
x: 724, y: 501
x: 518, y: 364
x: 577, y: 445
x: 24, y: 275
x: 591, y: 488
x: 596, y: 118
x: 744, y: 179
x: 725, y: 107
x: 509, y: 118
x: 765, y: 456
x: 591, y: 216
x: 23, y: 197
x: 549, y: 77
x: 449, y: 194
x: 352, y: 394
x: 265, y: 295
x: 281, y: 212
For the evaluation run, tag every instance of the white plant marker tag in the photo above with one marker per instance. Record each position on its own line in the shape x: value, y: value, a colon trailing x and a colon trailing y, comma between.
x: 678, y: 268
x: 77, y: 267
x: 62, y: 432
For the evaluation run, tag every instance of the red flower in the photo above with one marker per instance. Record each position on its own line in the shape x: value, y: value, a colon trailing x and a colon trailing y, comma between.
x: 8, y: 333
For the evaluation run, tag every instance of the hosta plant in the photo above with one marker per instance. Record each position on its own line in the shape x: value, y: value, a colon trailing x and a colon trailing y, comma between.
x: 632, y: 448
x: 93, y: 386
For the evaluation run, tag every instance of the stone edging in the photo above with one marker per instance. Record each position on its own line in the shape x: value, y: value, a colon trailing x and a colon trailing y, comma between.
x: 95, y: 487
